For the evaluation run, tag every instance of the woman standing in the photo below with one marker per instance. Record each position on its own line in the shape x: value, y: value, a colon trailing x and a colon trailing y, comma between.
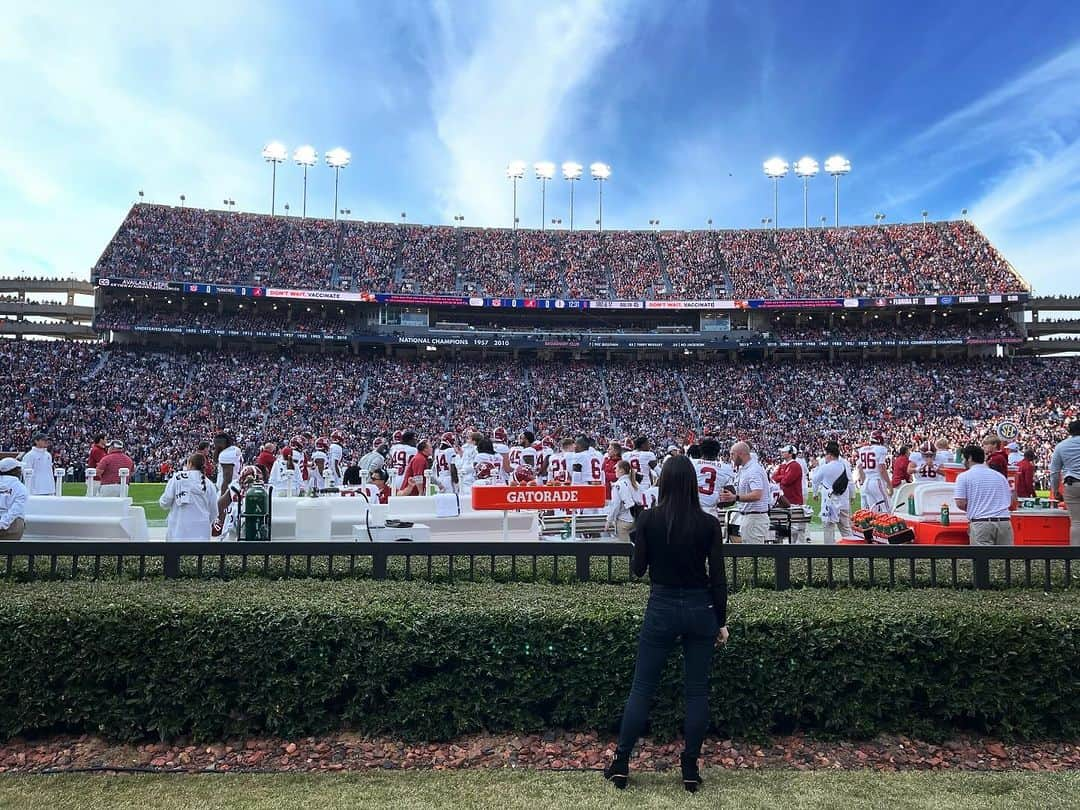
x: 191, y: 500
x: 624, y: 497
x: 681, y: 547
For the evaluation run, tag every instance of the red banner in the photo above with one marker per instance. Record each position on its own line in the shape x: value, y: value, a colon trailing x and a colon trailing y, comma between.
x: 502, y: 497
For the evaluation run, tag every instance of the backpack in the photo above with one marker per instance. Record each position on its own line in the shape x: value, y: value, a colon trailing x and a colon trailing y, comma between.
x: 840, y: 485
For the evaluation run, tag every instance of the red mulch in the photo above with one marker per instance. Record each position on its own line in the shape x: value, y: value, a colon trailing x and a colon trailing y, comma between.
x: 550, y: 751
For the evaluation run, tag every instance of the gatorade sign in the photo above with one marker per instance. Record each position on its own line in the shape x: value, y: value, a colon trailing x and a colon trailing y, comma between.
x: 509, y: 498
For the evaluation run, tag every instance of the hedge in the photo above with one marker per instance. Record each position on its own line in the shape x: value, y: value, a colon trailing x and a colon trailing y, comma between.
x: 214, y: 660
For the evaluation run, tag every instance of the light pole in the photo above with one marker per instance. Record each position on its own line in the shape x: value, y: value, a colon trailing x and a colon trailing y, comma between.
x: 402, y: 217
x: 182, y: 198
x: 963, y: 211
x: 307, y: 157
x: 655, y: 223
x: 837, y: 166
x: 600, y: 172
x: 337, y: 159
x: 925, y: 214
x: 142, y: 196
x: 879, y: 218
x: 823, y: 220
x: 274, y: 153
x: 545, y: 170
x: 515, y: 170
x: 572, y: 172
x: 805, y: 167
x: 286, y: 209
x: 766, y: 222
x: 345, y: 212
x: 458, y: 220
x: 709, y: 223
x: 556, y: 222
x: 775, y: 168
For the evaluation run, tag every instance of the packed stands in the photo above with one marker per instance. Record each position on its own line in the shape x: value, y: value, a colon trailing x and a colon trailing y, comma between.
x: 162, y: 243
x: 161, y: 403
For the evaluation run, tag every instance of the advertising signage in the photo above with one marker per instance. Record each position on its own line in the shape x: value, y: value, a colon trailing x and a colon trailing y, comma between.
x: 558, y: 304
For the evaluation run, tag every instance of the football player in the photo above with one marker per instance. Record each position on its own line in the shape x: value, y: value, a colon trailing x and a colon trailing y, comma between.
x: 401, y: 453
x: 335, y: 457
x: 446, y: 457
x: 872, y: 471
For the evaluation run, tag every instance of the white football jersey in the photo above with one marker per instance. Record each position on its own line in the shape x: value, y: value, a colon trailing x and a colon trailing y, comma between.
x: 230, y: 455
x: 399, y: 458
x: 336, y: 468
x: 872, y: 457
x: 712, y: 478
x: 444, y: 460
x: 591, y: 462
x: 318, y: 479
x: 559, y: 467
x: 641, y: 462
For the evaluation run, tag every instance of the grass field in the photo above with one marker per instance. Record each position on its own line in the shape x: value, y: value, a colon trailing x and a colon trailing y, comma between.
x: 507, y: 790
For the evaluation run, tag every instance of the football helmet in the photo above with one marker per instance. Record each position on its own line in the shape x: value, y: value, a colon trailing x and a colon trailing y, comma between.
x: 322, y: 443
x: 524, y: 474
x: 398, y: 436
x: 484, y: 470
x: 297, y: 442
x: 877, y: 437
x: 337, y: 437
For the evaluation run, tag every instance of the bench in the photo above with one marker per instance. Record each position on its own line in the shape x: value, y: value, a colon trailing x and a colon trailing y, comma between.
x: 346, y: 513
x: 585, y: 526
x: 469, y: 525
x: 49, y: 517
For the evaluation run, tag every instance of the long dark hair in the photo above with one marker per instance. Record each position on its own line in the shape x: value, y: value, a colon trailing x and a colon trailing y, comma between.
x: 678, y: 504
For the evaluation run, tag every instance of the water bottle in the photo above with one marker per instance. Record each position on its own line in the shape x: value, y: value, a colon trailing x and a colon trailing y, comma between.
x: 566, y: 529
x: 911, y: 504
x: 944, y: 514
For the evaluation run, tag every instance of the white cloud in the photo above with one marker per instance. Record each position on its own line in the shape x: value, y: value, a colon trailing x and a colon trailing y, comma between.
x: 502, y: 88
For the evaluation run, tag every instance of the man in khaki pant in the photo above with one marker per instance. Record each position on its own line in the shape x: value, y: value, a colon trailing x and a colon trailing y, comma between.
x: 985, y: 496
x: 1065, y: 477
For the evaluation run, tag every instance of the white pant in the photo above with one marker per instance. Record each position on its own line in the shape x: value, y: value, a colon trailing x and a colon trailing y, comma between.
x: 754, y: 527
x: 108, y: 490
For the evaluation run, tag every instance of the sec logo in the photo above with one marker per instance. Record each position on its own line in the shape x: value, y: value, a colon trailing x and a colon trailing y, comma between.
x: 1008, y: 430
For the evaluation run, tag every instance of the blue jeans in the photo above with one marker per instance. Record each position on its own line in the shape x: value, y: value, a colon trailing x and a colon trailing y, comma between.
x: 673, y: 614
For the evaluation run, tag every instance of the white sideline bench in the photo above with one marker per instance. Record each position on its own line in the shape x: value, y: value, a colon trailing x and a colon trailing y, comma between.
x: 586, y: 525
x: 80, y: 518
x: 469, y: 525
x: 346, y: 513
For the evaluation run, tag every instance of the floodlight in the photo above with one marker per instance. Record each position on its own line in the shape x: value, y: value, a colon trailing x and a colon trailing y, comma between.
x: 275, y: 152
x: 837, y: 165
x: 545, y: 170
x: 599, y: 171
x: 571, y: 170
x: 775, y: 168
x: 806, y: 167
x: 305, y: 156
x: 338, y: 158
x: 515, y: 169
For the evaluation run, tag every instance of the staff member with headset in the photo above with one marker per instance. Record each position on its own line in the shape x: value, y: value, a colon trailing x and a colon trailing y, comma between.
x: 680, y: 545
x: 751, y: 487
x: 986, y: 496
x: 1065, y: 476
x: 13, y: 497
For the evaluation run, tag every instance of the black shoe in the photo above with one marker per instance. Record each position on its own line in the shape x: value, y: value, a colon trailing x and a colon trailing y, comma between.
x: 691, y: 776
x: 618, y: 772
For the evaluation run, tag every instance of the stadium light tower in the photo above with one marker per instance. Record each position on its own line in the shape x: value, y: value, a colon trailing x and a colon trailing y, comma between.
x: 515, y: 170
x: 775, y: 168
x: 837, y: 166
x: 274, y: 153
x: 925, y: 214
x: 307, y: 157
x: 572, y: 172
x: 600, y: 172
x: 545, y: 170
x: 805, y: 167
x: 337, y: 159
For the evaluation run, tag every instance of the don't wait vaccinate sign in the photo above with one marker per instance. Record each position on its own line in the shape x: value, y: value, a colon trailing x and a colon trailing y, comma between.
x: 505, y: 497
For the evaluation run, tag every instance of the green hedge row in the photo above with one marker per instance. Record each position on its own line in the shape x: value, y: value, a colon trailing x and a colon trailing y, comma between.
x: 217, y: 659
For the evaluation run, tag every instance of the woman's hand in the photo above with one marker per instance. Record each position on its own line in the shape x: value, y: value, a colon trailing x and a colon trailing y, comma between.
x: 722, y: 636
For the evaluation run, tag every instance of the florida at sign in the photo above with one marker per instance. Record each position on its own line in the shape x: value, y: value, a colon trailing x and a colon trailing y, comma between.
x: 540, y: 498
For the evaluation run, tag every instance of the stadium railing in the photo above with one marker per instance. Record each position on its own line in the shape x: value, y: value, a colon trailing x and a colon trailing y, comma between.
x: 778, y: 567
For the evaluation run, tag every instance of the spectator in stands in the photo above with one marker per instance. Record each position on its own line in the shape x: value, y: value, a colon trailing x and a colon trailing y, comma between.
x: 13, y: 497
x: 680, y: 546
x: 985, y: 496
x: 1065, y: 478
x: 37, y: 463
x: 1025, y: 476
x: 108, y: 469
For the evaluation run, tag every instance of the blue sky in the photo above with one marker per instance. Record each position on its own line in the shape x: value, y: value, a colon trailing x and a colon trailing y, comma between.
x: 938, y: 107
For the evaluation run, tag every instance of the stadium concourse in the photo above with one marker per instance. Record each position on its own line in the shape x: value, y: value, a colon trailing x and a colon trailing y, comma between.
x: 163, y: 402
x: 189, y: 244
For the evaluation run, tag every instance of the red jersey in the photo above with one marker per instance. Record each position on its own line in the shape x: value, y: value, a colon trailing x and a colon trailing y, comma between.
x: 418, y: 465
x: 1025, y: 479
x: 900, y: 470
x: 96, y: 455
x: 265, y: 459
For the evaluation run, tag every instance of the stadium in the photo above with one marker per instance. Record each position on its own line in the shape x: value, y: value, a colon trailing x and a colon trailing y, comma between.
x: 682, y: 469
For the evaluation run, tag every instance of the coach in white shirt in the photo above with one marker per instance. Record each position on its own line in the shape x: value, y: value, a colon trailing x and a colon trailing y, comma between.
x: 751, y: 495
x: 37, y: 464
x: 835, y: 507
x: 986, y: 497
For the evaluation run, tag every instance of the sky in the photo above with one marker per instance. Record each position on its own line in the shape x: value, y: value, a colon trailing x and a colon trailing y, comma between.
x: 939, y: 107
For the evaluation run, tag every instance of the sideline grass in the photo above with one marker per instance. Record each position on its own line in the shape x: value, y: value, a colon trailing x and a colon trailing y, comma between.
x: 853, y: 790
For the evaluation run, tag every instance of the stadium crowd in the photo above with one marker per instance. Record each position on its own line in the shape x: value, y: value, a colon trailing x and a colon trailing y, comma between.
x: 161, y: 403
x: 161, y: 243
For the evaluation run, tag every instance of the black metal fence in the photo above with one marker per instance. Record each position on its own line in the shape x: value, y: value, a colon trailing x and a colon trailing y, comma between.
x: 755, y: 566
